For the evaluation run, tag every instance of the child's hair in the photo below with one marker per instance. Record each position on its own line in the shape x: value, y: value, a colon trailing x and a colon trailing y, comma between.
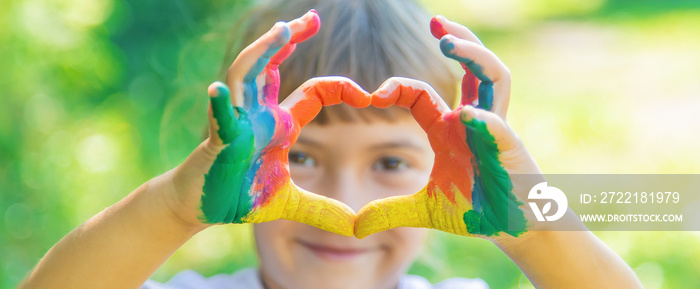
x: 367, y: 41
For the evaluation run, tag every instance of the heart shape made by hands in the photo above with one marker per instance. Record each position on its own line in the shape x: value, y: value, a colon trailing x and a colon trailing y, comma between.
x: 468, y: 193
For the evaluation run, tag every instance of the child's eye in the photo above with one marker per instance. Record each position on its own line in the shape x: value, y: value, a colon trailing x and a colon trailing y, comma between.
x: 390, y: 164
x: 302, y: 159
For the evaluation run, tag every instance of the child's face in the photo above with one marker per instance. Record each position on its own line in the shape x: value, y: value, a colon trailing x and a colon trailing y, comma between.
x: 355, y: 163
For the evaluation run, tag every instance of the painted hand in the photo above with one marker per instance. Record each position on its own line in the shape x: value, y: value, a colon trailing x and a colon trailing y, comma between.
x: 469, y: 191
x: 242, y: 169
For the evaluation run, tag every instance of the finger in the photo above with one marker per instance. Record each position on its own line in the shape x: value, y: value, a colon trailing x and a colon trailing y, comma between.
x: 301, y: 29
x: 440, y: 26
x: 493, y: 74
x: 225, y: 197
x: 252, y: 60
x: 306, y: 101
x: 425, y: 104
x: 225, y: 177
x: 420, y: 210
x: 489, y: 127
x: 305, y: 207
x: 392, y: 212
x: 221, y: 119
x: 496, y: 209
x: 321, y: 212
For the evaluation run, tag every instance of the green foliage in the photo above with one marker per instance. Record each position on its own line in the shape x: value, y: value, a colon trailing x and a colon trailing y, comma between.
x: 98, y: 96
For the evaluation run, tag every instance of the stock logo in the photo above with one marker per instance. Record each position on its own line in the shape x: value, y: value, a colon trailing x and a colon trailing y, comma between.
x: 542, y: 192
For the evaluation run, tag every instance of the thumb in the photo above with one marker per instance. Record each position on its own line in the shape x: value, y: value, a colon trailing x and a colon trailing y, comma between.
x: 388, y: 213
x: 225, y: 123
x: 222, y: 119
x: 490, y: 128
x: 296, y: 204
x: 223, y: 129
x: 496, y: 208
x: 491, y: 133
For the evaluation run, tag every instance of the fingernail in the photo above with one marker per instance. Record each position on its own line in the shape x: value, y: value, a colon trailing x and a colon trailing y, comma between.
x: 446, y: 44
x: 282, y: 32
x: 467, y: 114
x: 440, y: 18
x: 217, y: 89
x: 277, y: 26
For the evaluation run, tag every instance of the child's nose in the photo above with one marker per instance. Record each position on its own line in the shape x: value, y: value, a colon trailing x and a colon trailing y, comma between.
x: 347, y: 186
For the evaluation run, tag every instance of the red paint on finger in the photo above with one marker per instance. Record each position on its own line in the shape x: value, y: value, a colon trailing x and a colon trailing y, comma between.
x: 272, y: 86
x: 470, y: 86
x: 470, y: 83
x: 436, y: 28
x: 282, y: 54
x: 313, y: 24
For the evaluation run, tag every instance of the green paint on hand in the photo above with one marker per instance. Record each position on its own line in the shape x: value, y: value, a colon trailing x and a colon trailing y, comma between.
x: 223, y: 113
x: 495, y: 207
x: 226, y: 198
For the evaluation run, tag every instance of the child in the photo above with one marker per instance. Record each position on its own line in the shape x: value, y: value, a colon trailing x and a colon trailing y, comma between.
x: 352, y: 156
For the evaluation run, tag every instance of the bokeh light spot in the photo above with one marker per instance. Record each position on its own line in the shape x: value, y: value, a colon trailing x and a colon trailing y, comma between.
x: 43, y: 112
x: 97, y: 153
x: 19, y: 220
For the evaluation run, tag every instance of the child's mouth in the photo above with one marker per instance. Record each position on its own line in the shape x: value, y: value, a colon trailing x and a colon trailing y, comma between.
x: 333, y: 253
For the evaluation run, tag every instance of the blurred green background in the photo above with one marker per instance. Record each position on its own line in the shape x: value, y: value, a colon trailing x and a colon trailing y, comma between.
x: 98, y: 96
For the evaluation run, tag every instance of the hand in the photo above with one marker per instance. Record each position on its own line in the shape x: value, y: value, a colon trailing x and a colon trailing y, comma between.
x: 470, y: 191
x: 240, y: 174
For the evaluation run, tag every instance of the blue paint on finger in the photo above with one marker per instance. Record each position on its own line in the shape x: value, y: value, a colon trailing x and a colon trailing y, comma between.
x: 486, y: 85
x: 253, y: 102
x: 282, y: 39
x: 485, y: 95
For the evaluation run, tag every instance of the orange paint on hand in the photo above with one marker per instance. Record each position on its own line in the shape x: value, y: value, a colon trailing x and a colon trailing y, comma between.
x: 453, y: 159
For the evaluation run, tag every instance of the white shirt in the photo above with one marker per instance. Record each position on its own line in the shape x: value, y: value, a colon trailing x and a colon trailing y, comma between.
x: 249, y: 279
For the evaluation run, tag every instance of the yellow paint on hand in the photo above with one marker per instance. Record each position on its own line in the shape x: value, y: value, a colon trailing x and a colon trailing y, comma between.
x: 295, y: 204
x: 418, y: 210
